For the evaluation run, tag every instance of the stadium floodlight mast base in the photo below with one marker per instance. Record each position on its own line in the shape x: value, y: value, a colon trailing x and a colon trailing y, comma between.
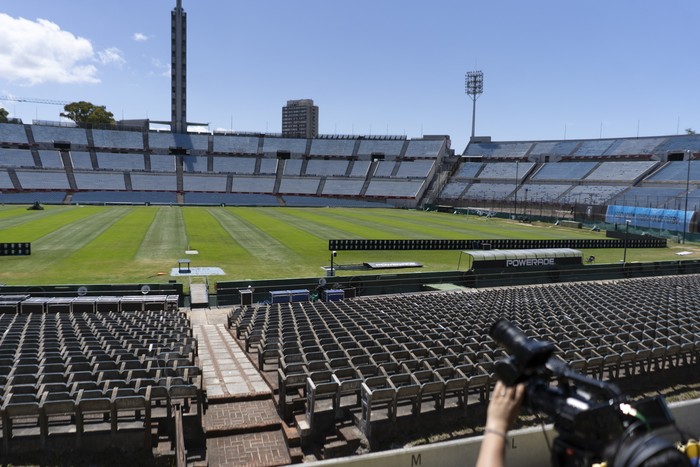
x: 334, y: 253
x: 627, y: 232
x: 474, y: 87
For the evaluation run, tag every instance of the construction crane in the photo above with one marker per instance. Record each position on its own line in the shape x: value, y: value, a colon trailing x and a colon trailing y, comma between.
x: 33, y: 100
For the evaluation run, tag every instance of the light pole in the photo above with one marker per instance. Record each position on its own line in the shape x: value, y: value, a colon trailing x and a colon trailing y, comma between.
x: 627, y: 230
x: 515, y: 197
x: 687, y: 189
x: 474, y: 87
x: 333, y: 255
x: 525, y: 204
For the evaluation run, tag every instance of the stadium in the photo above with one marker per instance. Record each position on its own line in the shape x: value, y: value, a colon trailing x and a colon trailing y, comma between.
x: 230, y: 298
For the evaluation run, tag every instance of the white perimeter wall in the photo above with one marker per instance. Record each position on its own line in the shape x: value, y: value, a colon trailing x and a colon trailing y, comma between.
x: 527, y: 447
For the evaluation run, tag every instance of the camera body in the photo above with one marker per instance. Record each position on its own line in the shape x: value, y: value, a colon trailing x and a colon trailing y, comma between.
x: 593, y: 419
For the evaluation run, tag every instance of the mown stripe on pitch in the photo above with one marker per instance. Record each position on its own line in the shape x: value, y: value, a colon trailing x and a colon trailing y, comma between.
x: 252, y: 230
x: 206, y: 235
x: 317, y: 224
x: 379, y: 229
x: 121, y: 241
x: 35, y: 224
x: 166, y: 238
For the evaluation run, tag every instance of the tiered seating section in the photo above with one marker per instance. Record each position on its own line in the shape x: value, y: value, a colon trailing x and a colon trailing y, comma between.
x: 404, y: 356
x: 632, y: 171
x: 57, y: 163
x: 93, y: 370
x: 592, y: 181
x: 216, y: 168
x: 562, y: 182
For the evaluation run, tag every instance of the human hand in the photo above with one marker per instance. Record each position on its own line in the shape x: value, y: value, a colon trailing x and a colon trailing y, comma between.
x: 504, y: 406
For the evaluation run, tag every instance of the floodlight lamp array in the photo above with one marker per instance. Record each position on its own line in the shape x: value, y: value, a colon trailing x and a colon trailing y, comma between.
x: 15, y: 249
x: 474, y: 83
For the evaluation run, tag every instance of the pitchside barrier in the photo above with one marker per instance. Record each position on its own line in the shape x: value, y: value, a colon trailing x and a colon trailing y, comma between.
x: 94, y: 290
x: 494, y: 244
x: 257, y: 291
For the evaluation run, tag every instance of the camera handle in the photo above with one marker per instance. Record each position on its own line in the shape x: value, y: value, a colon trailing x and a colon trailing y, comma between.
x: 566, y: 375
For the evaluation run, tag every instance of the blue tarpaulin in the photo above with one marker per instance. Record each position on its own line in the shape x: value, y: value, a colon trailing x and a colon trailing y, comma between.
x: 653, y: 218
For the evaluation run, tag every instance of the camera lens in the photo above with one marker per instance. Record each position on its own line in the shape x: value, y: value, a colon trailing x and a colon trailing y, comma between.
x: 505, y: 333
x: 527, y: 355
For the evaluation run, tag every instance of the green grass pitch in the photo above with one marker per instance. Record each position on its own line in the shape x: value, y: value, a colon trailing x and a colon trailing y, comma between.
x: 129, y: 244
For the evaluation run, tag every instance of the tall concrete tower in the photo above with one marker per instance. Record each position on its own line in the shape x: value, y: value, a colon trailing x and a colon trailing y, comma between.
x: 179, y: 69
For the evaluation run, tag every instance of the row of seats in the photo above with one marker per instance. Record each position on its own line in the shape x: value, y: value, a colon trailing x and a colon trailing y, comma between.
x: 584, y: 181
x: 242, y: 144
x: 95, y: 371
x: 606, y: 330
x: 585, y: 148
x: 23, y: 303
x: 110, y: 410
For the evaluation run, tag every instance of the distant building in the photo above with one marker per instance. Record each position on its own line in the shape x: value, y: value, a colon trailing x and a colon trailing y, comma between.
x: 300, y: 119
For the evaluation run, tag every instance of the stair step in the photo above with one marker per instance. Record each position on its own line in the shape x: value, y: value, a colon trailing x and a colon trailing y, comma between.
x: 291, y: 434
x: 335, y: 448
x: 351, y: 434
x: 296, y: 455
x: 302, y: 425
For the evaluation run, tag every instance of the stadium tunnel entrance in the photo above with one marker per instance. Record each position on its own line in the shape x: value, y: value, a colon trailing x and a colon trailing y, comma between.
x: 545, y: 258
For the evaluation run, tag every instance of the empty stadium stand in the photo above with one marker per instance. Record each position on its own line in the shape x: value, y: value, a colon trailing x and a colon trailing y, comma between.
x: 389, y: 170
x: 124, y: 162
x: 81, y: 160
x: 562, y: 174
x: 99, y: 181
x: 204, y: 182
x: 167, y: 140
x: 16, y: 158
x: 236, y: 165
x: 383, y: 362
x: 50, y: 134
x: 13, y: 134
x: 236, y: 144
x: 124, y: 197
x: 85, y: 373
x: 50, y: 159
x: 39, y: 157
x: 112, y: 139
x: 389, y: 149
x: 5, y: 180
x: 335, y: 147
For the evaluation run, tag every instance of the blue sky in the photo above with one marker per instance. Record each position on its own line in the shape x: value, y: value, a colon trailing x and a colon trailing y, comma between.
x: 552, y: 69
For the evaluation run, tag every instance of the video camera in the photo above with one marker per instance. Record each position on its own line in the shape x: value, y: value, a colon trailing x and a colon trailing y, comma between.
x: 594, y: 421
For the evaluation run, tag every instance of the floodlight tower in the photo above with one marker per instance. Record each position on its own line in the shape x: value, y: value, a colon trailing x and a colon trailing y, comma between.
x: 179, y: 69
x: 474, y: 87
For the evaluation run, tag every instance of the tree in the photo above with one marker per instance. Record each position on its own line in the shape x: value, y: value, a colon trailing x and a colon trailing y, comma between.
x: 87, y: 112
x: 689, y: 131
x: 3, y: 115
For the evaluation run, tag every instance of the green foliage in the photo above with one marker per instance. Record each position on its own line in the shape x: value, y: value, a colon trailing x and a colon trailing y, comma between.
x: 3, y: 115
x: 689, y: 131
x: 87, y: 112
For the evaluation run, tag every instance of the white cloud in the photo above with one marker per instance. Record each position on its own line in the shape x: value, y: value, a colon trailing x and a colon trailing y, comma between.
x: 35, y: 52
x: 140, y: 37
x: 111, y: 56
x: 163, y: 69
